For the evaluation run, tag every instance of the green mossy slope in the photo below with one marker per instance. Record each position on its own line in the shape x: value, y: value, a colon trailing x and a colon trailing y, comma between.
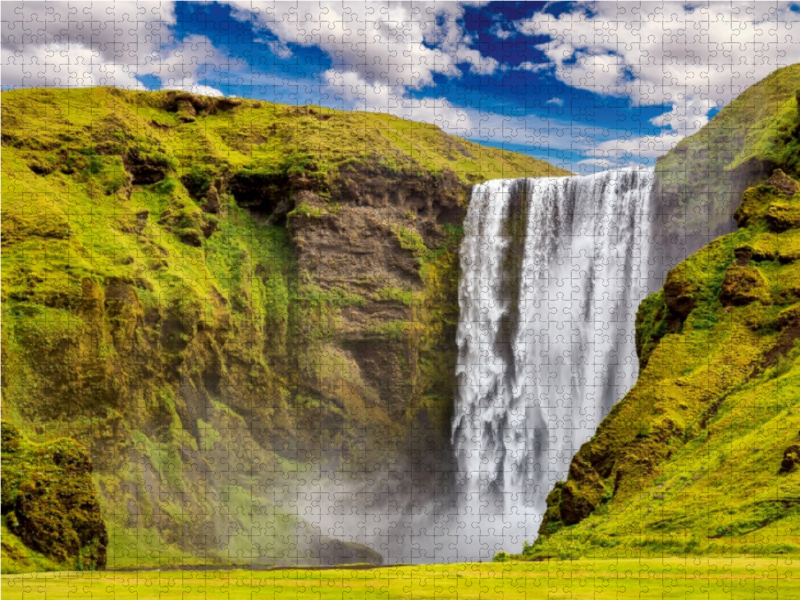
x: 701, y: 456
x: 220, y: 297
x: 700, y: 182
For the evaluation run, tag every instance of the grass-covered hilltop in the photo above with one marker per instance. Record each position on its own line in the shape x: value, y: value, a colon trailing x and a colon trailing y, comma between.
x: 205, y: 298
x: 700, y: 182
x: 702, y: 456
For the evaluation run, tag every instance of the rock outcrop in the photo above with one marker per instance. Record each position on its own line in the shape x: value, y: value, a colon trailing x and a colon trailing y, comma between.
x: 50, y: 503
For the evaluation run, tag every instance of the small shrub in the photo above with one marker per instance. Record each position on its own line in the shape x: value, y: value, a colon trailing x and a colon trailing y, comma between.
x: 501, y: 557
x: 197, y: 180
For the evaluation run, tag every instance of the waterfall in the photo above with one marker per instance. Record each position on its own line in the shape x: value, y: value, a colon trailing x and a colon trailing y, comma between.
x: 553, y: 271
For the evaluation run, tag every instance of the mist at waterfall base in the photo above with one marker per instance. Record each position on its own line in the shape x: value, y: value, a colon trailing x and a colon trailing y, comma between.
x: 552, y: 273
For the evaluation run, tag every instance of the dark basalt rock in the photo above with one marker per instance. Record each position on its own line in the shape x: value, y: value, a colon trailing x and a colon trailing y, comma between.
x: 189, y: 106
x: 145, y: 169
x: 212, y: 204
x: 791, y: 458
x: 783, y: 183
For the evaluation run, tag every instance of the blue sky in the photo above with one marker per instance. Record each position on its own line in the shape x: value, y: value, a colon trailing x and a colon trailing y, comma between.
x: 585, y: 85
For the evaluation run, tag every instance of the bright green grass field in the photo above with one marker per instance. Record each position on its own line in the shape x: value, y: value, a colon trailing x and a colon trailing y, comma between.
x: 709, y: 578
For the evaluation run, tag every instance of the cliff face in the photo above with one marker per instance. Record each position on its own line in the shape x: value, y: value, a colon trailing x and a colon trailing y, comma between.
x: 224, y: 301
x: 700, y: 457
x: 699, y: 183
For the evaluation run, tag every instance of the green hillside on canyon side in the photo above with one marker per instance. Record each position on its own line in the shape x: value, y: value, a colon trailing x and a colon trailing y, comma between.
x: 205, y: 298
x: 702, y: 456
x: 700, y: 182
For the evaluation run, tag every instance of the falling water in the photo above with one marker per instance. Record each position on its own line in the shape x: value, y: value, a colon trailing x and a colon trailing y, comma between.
x: 553, y: 271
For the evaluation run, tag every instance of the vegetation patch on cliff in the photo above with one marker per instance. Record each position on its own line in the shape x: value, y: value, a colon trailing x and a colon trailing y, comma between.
x: 50, y: 506
x: 699, y: 184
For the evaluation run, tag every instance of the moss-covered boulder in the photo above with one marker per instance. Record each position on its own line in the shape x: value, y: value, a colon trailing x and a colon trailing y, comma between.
x: 771, y: 202
x: 755, y: 203
x: 742, y: 285
x: 680, y: 292
x: 583, y: 492
x: 49, y: 500
x: 782, y: 216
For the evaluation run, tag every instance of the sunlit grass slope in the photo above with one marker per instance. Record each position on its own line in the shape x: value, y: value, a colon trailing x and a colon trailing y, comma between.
x: 247, y: 133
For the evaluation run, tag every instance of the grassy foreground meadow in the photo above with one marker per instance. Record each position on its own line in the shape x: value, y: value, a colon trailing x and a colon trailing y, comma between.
x: 711, y: 578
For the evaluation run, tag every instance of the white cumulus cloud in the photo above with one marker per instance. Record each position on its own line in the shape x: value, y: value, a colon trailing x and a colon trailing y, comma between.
x: 379, y: 51
x: 80, y: 44
x: 532, y: 66
x: 691, y: 56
